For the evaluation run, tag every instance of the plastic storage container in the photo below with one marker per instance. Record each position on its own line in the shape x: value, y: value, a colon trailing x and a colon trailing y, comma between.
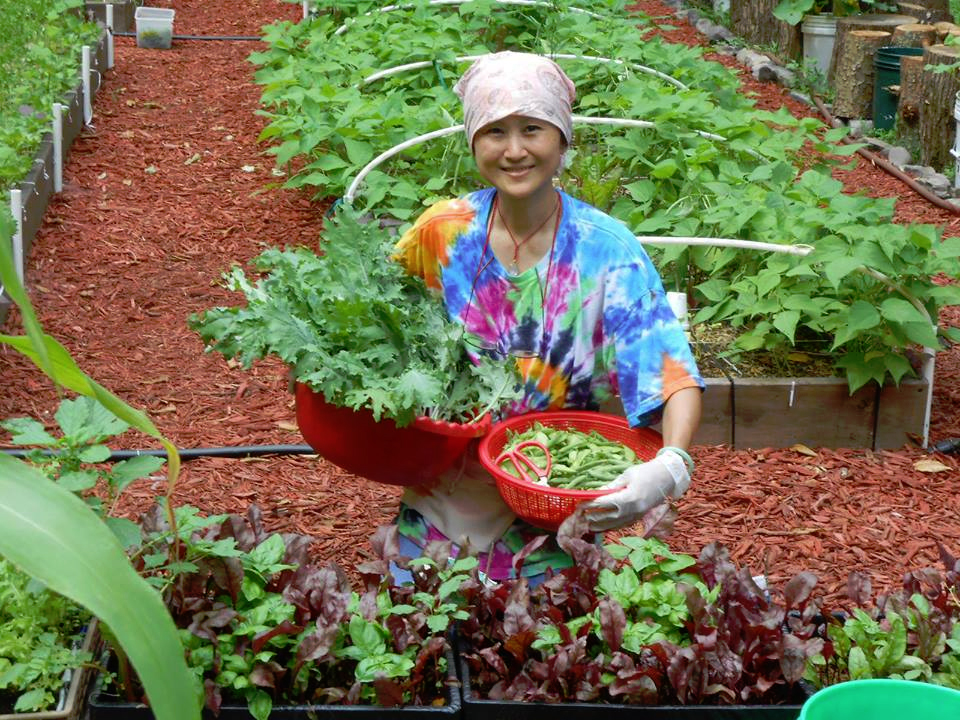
x: 883, y: 699
x: 886, y: 73
x: 154, y: 27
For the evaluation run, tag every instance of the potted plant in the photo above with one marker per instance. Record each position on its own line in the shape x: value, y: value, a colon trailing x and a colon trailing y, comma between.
x: 910, y: 634
x: 271, y: 633
x: 634, y: 624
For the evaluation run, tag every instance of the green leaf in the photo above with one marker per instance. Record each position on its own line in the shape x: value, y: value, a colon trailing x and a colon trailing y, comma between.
x: 665, y: 169
x: 27, y: 431
x: 50, y: 533
x: 127, y: 471
x: 78, y: 481
x: 786, y: 322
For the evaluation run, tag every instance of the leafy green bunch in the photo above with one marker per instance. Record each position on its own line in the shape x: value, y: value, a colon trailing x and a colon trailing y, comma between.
x: 40, y: 636
x: 357, y: 328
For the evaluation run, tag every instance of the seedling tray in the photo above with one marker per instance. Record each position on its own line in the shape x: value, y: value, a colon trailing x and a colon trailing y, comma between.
x: 475, y: 708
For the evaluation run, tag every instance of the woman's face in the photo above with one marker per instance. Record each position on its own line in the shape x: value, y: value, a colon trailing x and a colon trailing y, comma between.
x: 519, y: 155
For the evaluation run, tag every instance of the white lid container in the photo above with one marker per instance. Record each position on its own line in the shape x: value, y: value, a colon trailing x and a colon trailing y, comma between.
x: 154, y: 27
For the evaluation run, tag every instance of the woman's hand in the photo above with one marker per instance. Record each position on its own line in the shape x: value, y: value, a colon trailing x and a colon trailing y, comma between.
x: 642, y: 487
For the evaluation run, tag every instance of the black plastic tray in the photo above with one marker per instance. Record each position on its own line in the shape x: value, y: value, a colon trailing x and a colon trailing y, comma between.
x: 103, y: 706
x: 475, y: 708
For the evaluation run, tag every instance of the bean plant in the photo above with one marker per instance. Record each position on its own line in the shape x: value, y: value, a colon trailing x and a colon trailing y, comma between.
x: 711, y: 165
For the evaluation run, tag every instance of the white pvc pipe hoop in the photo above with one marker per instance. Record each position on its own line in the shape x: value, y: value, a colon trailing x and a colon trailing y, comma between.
x: 541, y: 3
x: 351, y: 192
x: 397, y: 69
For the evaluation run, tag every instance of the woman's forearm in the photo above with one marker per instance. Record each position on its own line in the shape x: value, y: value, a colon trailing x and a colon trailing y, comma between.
x: 681, y: 416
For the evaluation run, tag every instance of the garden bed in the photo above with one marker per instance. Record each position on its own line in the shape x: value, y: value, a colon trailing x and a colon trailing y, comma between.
x: 38, y: 187
x: 123, y: 13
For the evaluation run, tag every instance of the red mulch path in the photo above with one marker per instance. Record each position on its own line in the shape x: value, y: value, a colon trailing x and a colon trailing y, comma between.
x: 167, y: 189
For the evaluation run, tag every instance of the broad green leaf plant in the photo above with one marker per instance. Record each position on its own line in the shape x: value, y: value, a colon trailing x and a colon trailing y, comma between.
x: 713, y: 165
x: 51, y: 534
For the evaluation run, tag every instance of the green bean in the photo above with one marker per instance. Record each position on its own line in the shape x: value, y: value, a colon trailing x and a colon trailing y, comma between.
x: 580, y: 460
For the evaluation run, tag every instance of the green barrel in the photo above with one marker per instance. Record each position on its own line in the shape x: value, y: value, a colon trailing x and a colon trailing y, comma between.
x: 882, y: 699
x: 886, y: 72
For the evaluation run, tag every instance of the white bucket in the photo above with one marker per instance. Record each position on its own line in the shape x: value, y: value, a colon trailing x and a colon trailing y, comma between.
x: 955, y: 150
x: 154, y: 27
x: 819, y: 33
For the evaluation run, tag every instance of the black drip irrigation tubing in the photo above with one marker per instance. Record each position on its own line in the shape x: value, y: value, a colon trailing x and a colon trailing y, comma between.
x: 240, y: 451
x: 198, y: 37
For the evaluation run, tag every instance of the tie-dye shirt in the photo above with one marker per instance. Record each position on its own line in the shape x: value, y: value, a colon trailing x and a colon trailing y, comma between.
x: 593, y: 310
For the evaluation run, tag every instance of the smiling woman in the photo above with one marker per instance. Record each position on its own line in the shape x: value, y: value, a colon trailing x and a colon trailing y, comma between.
x: 546, y: 281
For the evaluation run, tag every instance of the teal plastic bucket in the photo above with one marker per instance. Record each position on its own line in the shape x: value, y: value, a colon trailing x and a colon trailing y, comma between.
x: 882, y: 699
x: 886, y: 72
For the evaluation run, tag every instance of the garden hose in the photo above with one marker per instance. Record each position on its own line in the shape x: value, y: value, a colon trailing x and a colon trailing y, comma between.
x: 240, y: 451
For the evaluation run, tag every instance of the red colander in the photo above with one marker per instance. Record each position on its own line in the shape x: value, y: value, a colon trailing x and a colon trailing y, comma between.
x: 379, y: 450
x: 544, y: 506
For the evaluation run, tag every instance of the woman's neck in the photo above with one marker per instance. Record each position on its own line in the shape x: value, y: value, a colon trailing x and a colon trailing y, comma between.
x: 522, y: 215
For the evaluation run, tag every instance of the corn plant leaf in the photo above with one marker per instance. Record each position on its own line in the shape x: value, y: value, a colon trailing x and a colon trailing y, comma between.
x: 53, y: 536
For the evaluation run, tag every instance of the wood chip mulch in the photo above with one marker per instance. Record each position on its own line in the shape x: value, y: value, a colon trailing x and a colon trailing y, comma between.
x: 167, y: 188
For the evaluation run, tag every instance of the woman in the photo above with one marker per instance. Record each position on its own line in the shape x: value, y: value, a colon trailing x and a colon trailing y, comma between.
x: 536, y: 275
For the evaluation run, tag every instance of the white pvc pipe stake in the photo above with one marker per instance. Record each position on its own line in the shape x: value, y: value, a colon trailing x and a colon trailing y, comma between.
x: 577, y: 119
x: 306, y: 9
x: 562, y: 56
x: 87, y: 87
x: 110, y: 36
x: 57, y: 147
x: 389, y: 8
x: 16, y: 209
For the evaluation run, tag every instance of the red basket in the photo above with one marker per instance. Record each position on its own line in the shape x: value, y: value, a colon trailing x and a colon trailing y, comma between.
x: 544, y: 506
x: 412, y: 455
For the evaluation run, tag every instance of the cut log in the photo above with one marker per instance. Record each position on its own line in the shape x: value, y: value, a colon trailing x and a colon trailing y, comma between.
x: 846, y: 25
x: 853, y: 79
x: 753, y: 21
x: 939, y: 92
x: 908, y: 103
x: 944, y: 29
x: 914, y: 35
x: 926, y: 12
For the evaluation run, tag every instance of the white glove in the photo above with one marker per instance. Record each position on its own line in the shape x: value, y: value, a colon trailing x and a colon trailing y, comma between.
x: 643, y: 487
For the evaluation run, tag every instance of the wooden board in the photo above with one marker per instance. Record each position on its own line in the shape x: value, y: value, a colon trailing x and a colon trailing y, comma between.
x: 900, y: 414
x: 819, y: 412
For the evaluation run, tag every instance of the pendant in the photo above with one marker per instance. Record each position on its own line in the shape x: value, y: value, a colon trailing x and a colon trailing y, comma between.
x: 514, y: 268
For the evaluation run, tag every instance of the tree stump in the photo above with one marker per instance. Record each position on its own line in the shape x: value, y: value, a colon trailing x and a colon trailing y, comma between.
x: 914, y: 35
x: 939, y: 92
x: 853, y: 79
x: 944, y: 29
x: 753, y: 21
x: 846, y: 25
x: 927, y: 12
x: 908, y: 101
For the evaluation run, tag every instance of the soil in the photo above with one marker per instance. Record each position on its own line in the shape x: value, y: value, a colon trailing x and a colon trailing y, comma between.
x: 169, y: 186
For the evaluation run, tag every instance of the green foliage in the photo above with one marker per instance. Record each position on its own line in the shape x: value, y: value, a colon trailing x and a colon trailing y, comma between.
x: 75, y: 458
x: 40, y: 636
x: 651, y: 586
x: 53, y: 536
x: 40, y: 58
x: 357, y: 328
x: 712, y: 166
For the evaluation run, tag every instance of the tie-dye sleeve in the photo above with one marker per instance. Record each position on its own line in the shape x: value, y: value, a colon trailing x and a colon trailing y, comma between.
x: 652, y: 355
x: 425, y: 248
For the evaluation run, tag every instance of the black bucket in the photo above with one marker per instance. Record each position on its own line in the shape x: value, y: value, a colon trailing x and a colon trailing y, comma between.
x: 886, y: 72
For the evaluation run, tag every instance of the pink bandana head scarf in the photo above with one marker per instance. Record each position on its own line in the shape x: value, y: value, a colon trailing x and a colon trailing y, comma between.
x: 512, y: 83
